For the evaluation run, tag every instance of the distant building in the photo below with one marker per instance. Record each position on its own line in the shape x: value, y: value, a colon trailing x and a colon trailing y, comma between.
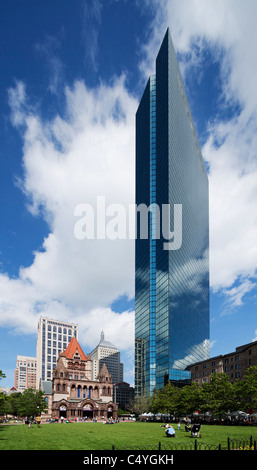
x: 53, y: 338
x: 234, y: 364
x: 25, y: 373
x: 123, y: 395
x: 75, y: 395
x: 106, y: 353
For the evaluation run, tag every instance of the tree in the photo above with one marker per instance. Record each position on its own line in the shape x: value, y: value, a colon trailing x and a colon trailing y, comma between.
x: 165, y: 400
x: 218, y: 395
x: 2, y: 396
x: 13, y: 401
x: 141, y: 405
x: 246, y: 390
x: 190, y: 398
x: 4, y: 404
x: 2, y: 375
x: 7, y: 402
x: 156, y: 402
x: 31, y: 403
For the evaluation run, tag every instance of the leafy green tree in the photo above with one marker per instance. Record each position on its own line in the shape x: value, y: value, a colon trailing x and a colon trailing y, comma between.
x: 13, y: 401
x: 165, y: 400
x: 2, y: 375
x: 246, y: 390
x: 4, y: 404
x: 156, y: 404
x: 31, y: 403
x: 141, y: 405
x: 2, y: 397
x: 190, y: 399
x: 218, y: 395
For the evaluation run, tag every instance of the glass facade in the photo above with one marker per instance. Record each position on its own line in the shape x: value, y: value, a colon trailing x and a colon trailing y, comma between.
x: 172, y: 286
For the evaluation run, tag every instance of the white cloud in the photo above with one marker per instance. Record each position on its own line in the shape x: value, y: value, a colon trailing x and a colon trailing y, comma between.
x: 48, y: 51
x: 91, y: 18
x: 236, y: 294
x: 69, y: 161
x: 233, y: 202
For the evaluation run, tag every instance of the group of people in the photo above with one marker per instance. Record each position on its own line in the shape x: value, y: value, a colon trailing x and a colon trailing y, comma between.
x: 195, y: 429
x: 170, y: 431
x: 30, y: 420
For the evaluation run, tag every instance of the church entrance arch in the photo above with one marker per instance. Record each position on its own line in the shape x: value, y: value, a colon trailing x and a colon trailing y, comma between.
x: 88, y: 411
x: 110, y: 412
x: 63, y: 411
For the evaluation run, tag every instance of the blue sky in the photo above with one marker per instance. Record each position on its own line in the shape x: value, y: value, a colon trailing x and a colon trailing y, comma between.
x: 72, y: 74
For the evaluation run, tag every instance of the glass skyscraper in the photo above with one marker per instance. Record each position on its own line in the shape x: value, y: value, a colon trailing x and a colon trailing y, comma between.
x: 172, y: 285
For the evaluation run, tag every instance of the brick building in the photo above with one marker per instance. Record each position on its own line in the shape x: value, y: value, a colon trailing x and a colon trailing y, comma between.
x: 74, y: 394
x: 233, y: 364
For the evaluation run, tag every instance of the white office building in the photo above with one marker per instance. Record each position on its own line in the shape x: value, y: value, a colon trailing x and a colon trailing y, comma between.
x: 25, y: 373
x: 52, y: 339
x: 106, y: 353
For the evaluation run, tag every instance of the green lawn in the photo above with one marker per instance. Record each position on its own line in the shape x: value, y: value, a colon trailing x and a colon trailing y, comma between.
x: 98, y: 436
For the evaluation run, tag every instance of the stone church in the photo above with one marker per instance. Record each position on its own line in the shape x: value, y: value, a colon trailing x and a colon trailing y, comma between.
x: 74, y: 395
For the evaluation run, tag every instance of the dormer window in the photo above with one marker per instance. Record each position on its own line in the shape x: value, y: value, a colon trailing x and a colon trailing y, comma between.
x: 76, y: 355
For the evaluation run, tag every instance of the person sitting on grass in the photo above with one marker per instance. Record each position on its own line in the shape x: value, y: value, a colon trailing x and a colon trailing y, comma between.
x: 170, y: 431
x: 187, y: 427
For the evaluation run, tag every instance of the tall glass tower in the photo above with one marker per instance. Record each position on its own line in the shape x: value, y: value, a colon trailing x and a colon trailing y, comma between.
x: 172, y: 284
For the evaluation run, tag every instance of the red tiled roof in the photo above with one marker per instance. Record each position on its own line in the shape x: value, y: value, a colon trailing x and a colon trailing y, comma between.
x: 71, y: 349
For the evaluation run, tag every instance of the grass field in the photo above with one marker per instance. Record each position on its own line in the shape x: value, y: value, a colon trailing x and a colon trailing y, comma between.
x: 98, y: 436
